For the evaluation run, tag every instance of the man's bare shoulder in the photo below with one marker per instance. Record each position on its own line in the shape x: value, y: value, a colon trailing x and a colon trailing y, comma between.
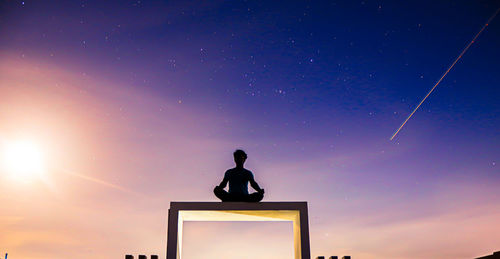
x: 231, y: 171
x: 247, y: 172
x: 238, y: 170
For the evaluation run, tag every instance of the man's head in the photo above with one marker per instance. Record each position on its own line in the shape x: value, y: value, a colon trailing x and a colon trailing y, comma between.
x: 239, y: 157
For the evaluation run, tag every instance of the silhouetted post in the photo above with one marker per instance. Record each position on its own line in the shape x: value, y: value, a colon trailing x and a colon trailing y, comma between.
x: 334, y: 257
x: 346, y: 257
x: 129, y: 257
x: 154, y: 257
x: 143, y: 257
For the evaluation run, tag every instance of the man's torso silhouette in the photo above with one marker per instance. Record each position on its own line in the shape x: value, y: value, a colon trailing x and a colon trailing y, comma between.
x: 238, y: 179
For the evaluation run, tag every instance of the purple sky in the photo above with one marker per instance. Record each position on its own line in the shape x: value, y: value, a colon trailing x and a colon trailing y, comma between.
x: 140, y: 103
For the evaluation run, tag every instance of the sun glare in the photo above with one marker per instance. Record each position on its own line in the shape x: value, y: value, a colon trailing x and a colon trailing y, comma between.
x: 22, y: 160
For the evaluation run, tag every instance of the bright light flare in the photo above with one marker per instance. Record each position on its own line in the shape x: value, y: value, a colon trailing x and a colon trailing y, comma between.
x: 22, y: 160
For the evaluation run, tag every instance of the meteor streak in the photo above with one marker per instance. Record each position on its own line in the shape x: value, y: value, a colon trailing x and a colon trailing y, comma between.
x: 99, y: 181
x: 446, y: 72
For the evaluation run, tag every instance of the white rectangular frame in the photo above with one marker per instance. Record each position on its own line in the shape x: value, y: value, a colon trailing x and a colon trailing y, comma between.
x: 296, y: 212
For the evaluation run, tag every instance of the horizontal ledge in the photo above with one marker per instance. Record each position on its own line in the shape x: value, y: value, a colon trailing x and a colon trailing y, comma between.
x: 295, y: 205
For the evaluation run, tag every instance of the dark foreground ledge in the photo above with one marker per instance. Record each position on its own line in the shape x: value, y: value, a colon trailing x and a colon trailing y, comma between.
x: 280, y: 205
x: 495, y: 255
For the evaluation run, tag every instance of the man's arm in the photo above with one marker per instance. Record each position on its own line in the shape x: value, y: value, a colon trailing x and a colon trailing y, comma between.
x: 255, y: 185
x: 224, y: 181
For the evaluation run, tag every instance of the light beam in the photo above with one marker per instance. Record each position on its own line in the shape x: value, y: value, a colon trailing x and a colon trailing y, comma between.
x: 445, y: 73
x: 99, y: 181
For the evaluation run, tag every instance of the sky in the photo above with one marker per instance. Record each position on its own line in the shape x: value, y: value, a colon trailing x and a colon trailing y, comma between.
x: 133, y: 104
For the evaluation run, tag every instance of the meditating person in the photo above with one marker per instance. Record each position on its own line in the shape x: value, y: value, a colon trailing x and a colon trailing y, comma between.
x: 238, y: 179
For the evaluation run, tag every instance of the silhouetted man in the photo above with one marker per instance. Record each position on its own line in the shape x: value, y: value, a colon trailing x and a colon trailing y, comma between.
x: 238, y: 179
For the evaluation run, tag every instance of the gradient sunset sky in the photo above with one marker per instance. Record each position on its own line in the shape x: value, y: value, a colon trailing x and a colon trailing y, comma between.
x: 134, y: 104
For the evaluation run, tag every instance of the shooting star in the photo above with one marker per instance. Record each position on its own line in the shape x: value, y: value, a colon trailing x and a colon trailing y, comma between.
x: 101, y: 182
x: 446, y: 72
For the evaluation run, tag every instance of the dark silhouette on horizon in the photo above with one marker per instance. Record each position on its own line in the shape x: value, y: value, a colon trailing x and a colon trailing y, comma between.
x: 495, y: 255
x: 238, y: 179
